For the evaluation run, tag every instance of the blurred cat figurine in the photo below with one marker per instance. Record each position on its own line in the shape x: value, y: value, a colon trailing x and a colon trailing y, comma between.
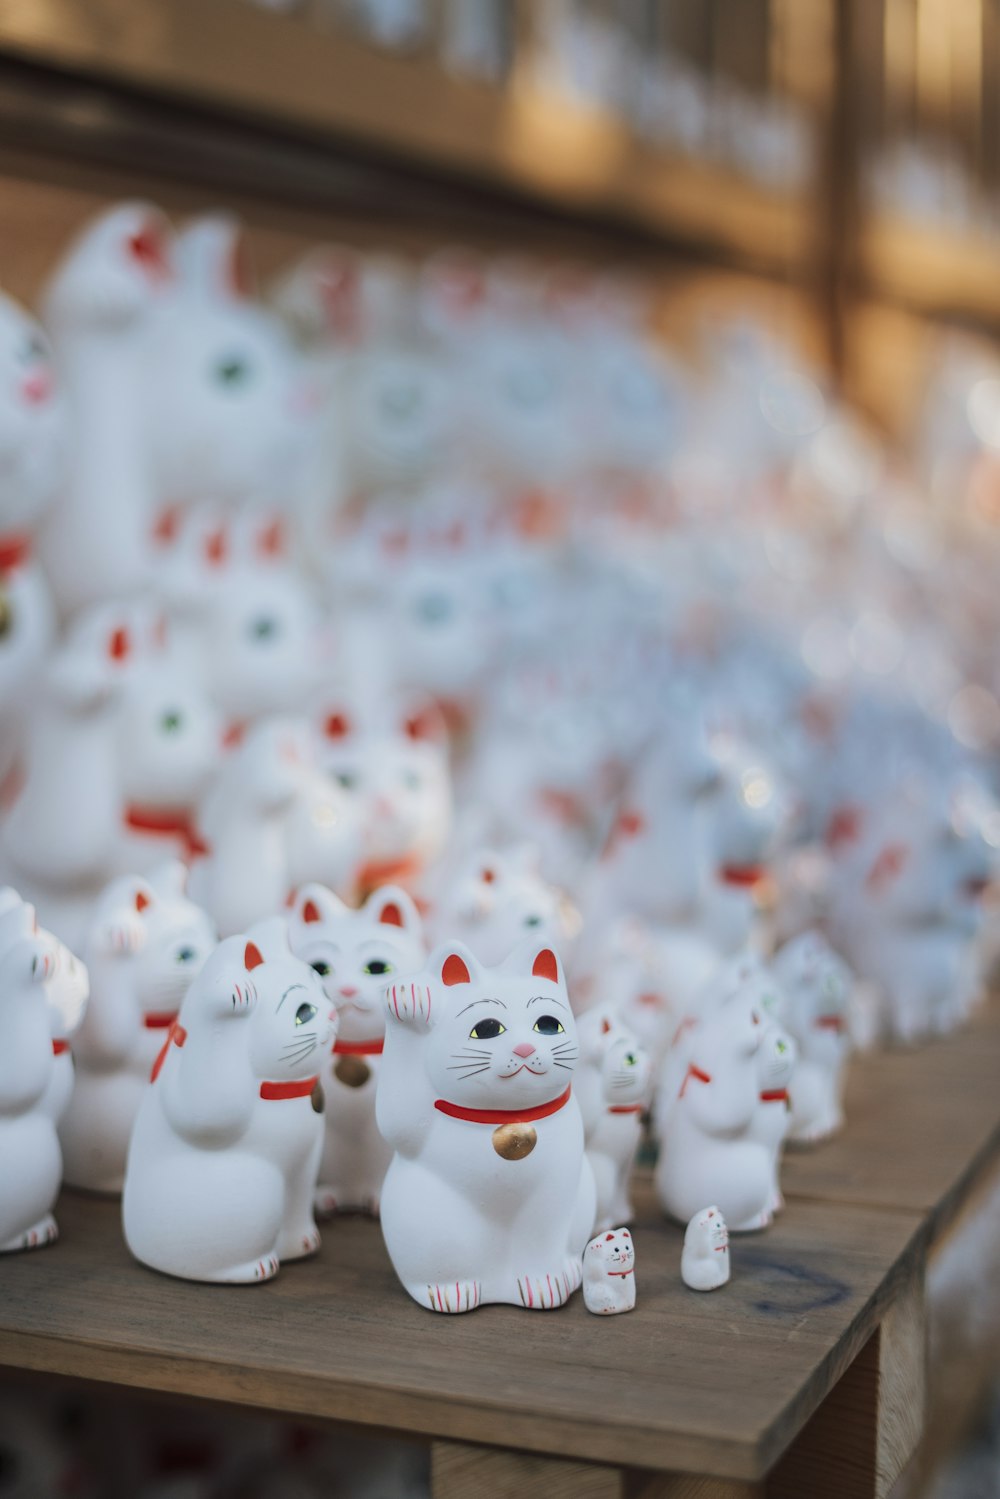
x: 497, y: 899
x: 223, y: 1159
x: 776, y: 1060
x: 490, y: 1196
x: 609, y: 1273
x: 818, y: 985
x: 356, y: 954
x: 613, y: 1083
x: 145, y: 943
x: 30, y: 1161
x: 705, y: 1256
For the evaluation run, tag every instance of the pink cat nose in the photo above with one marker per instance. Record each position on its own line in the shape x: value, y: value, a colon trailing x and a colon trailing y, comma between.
x: 37, y: 388
x: 524, y: 1050
x: 348, y: 991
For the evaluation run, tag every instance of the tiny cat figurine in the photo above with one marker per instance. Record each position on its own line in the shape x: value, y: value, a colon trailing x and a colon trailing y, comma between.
x: 355, y: 953
x: 818, y: 986
x: 705, y: 1256
x: 609, y: 1273
x: 490, y: 1196
x: 613, y: 1082
x: 145, y: 943
x: 706, y: 1127
x: 223, y: 1160
x: 30, y: 1160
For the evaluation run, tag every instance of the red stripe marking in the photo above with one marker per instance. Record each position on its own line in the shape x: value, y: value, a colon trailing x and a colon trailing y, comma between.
x: 15, y: 551
x: 58, y: 1047
x: 625, y: 1108
x: 159, y: 1020
x: 359, y: 1048
x: 742, y: 875
x: 278, y: 1091
x: 502, y: 1116
x: 696, y: 1072
x: 176, y: 1034
x: 621, y: 1273
x: 774, y: 1095
x: 163, y: 824
x: 831, y: 1023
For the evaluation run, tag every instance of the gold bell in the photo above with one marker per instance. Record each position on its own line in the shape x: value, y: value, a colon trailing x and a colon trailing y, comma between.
x: 316, y: 1098
x: 6, y: 613
x: 514, y: 1141
x: 352, y: 1071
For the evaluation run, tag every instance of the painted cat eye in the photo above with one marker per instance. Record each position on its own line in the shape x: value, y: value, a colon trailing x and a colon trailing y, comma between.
x: 232, y: 371
x: 264, y: 628
x: 171, y: 722
x: 486, y: 1030
x: 548, y: 1025
x: 631, y: 1060
x: 304, y: 1014
x: 323, y: 969
x: 186, y: 955
x: 376, y: 966
x: 532, y: 921
x: 35, y: 349
x: 347, y: 779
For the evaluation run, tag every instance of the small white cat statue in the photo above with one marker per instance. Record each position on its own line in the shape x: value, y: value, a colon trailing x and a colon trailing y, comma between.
x: 613, y: 1084
x: 776, y: 1062
x: 705, y: 1256
x: 609, y: 1273
x: 223, y: 1159
x: 490, y: 1196
x: 356, y: 954
x: 145, y: 943
x: 30, y: 1162
x: 497, y: 899
x: 707, y: 1127
x: 818, y: 985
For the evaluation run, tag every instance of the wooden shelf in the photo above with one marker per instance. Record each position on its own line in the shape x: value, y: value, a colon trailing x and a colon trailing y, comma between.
x: 291, y: 76
x: 929, y: 271
x: 724, y: 1385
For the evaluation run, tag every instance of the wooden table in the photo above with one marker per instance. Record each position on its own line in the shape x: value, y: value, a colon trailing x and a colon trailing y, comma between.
x: 803, y: 1378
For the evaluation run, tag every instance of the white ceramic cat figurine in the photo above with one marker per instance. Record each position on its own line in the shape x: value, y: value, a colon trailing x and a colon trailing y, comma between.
x: 30, y: 1162
x: 355, y: 953
x: 609, y: 1273
x: 490, y: 1196
x: 613, y: 1084
x: 705, y: 1256
x: 705, y: 1127
x: 776, y: 1062
x: 98, y: 308
x: 145, y: 943
x: 497, y: 899
x: 222, y: 1164
x: 32, y: 460
x: 818, y: 984
x: 272, y: 820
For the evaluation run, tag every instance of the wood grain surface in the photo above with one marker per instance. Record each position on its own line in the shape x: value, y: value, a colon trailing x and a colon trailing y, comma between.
x: 710, y: 1384
x: 922, y: 1125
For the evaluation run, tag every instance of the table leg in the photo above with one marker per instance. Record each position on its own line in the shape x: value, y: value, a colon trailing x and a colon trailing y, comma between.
x: 857, y: 1443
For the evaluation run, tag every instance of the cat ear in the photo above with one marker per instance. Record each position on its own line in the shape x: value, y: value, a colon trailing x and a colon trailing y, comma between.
x: 212, y: 256
x: 546, y: 966
x: 170, y: 878
x: 150, y: 248
x: 454, y: 963
x: 314, y: 903
x: 337, y: 725
x: 215, y: 547
x: 119, y: 644
x: 252, y: 957
x: 426, y: 725
x: 391, y: 906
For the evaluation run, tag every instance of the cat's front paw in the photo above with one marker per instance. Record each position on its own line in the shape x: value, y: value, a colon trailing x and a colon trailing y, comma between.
x: 409, y: 1003
x: 121, y: 935
x: 455, y: 1296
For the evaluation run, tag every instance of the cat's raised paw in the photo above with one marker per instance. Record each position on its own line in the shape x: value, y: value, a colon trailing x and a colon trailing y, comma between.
x: 409, y: 1003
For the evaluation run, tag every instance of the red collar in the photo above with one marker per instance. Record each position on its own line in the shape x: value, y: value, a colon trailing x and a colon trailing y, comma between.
x: 389, y: 872
x: 176, y: 1034
x: 741, y: 875
x: 359, y: 1048
x: 693, y: 1071
x: 159, y: 1020
x: 831, y: 1023
x: 625, y: 1108
x: 15, y: 551
x: 278, y: 1091
x: 503, y: 1116
x: 167, y: 824
x: 774, y: 1095
x: 622, y: 1273
x: 58, y: 1047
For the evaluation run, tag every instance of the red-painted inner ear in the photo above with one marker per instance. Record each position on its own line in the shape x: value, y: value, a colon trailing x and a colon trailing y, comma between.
x: 119, y: 644
x: 215, y: 548
x: 419, y: 726
x: 337, y: 726
x: 607, y: 1237
x: 488, y: 876
x: 147, y: 249
x: 310, y: 911
x: 605, y: 1027
x: 338, y: 288
x: 252, y: 957
x: 240, y: 279
x: 141, y: 901
x: 391, y: 915
x: 455, y: 971
x: 271, y: 541
x: 545, y: 966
